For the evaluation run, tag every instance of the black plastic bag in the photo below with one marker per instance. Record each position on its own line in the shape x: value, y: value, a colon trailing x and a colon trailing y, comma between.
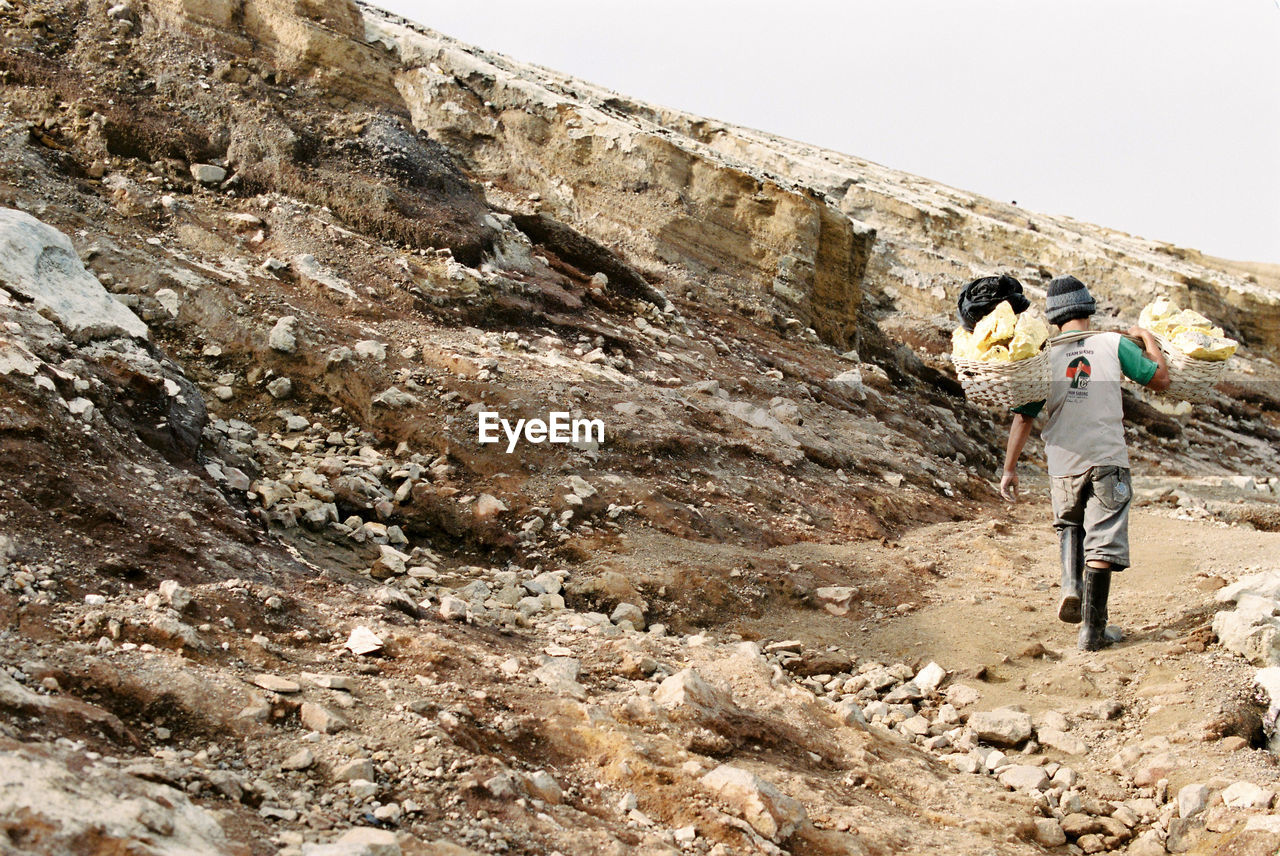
x: 984, y: 294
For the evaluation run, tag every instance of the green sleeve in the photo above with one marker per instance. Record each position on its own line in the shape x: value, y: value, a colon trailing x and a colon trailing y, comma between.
x: 1031, y: 410
x: 1135, y: 364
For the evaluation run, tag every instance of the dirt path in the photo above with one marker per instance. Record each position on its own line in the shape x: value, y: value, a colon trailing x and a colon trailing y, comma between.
x: 985, y: 608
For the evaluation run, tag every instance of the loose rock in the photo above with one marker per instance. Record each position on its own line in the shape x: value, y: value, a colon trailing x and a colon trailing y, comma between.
x: 769, y: 811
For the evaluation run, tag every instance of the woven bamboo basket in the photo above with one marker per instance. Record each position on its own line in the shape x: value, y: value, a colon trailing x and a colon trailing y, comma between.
x: 1190, y: 379
x: 1005, y: 384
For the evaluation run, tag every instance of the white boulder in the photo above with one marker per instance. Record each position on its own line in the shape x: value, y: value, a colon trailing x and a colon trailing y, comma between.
x: 39, y: 263
x: 1001, y: 727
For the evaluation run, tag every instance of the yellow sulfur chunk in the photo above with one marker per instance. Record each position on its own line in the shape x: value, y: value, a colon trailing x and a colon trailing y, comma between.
x: 962, y: 344
x: 1022, y: 347
x: 1200, y: 345
x: 995, y: 354
x: 1188, y: 318
x: 1156, y: 311
x: 1187, y: 331
x: 1029, y: 334
x: 995, y: 327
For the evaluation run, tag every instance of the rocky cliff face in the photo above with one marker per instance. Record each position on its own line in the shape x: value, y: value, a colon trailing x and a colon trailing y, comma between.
x: 263, y: 589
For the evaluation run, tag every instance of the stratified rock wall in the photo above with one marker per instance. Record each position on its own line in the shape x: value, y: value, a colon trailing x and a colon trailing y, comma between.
x: 628, y: 182
x: 321, y: 39
x: 933, y: 237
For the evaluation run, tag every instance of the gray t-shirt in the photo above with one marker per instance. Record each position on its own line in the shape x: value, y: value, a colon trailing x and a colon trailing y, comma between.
x: 1085, y: 425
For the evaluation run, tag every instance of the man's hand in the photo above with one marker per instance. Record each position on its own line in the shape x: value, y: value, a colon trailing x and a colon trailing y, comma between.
x: 1148, y: 338
x: 1160, y: 380
x: 1018, y: 433
x: 1009, y: 485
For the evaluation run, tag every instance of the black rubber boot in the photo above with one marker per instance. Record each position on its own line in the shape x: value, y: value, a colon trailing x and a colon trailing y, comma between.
x: 1072, y: 543
x: 1093, y: 631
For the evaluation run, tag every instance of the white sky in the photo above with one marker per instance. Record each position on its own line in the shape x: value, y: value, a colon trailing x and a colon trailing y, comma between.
x: 1157, y: 117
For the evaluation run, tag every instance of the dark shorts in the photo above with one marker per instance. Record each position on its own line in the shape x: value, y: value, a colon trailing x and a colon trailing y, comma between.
x: 1097, y: 500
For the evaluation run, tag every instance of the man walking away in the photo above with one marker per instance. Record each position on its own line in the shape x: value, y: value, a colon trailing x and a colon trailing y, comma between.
x: 1088, y: 460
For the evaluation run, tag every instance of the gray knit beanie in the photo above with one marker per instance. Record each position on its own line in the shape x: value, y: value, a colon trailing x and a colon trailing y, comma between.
x: 1068, y: 300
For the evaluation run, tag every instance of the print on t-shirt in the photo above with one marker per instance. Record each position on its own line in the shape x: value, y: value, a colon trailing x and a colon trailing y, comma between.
x: 1078, y: 372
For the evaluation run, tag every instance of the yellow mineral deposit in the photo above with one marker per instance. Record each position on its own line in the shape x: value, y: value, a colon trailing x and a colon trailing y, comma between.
x: 1186, y: 330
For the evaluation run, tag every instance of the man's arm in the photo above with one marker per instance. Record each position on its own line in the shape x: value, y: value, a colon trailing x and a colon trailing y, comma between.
x: 1019, y: 431
x: 1159, y: 380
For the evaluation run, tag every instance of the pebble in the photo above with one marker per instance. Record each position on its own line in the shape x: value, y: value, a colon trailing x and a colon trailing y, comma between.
x: 1246, y: 795
x: 174, y: 594
x: 487, y: 507
x: 453, y: 608
x: 395, y: 599
x: 962, y: 695
x: 284, y: 335
x: 276, y: 684
x: 363, y: 789
x: 330, y: 682
x: 1024, y: 777
x: 300, y: 760
x: 1068, y: 744
x: 319, y: 718
x: 371, y: 349
x: 207, y: 173
x: 929, y: 678
x: 560, y: 674
x: 543, y: 786
x: 280, y: 388
x: 770, y: 812
x: 1049, y: 832
x: 363, y: 641
x: 1192, y: 799
x: 350, y: 771
x: 628, y: 612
